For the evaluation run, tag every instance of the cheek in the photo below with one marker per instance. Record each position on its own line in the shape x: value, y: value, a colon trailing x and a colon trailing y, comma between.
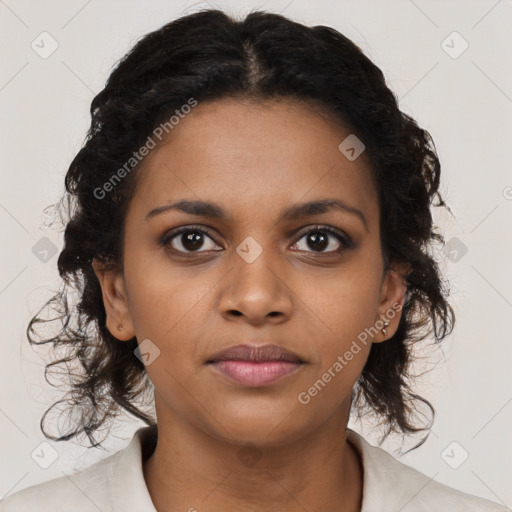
x: 347, y: 306
x: 168, y: 306
x: 158, y: 294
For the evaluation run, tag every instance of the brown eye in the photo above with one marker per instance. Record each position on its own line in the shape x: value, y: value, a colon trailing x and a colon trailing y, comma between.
x: 321, y: 238
x: 189, y: 240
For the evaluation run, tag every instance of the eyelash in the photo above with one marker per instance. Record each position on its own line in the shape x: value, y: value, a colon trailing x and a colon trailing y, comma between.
x: 345, y: 241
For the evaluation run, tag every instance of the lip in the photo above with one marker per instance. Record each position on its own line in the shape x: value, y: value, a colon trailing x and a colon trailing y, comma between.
x: 251, y: 374
x: 256, y: 354
x: 255, y: 366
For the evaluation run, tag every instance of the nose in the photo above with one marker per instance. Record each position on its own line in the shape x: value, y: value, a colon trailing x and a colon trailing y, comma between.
x: 256, y: 292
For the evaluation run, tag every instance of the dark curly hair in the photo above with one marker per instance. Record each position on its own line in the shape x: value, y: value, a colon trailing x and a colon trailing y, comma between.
x: 209, y: 55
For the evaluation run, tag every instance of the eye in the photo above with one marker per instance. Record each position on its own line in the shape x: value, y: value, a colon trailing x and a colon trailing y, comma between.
x: 188, y: 239
x: 321, y: 237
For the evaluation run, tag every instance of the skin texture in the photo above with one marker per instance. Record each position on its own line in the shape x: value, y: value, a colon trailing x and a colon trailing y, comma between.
x: 254, y: 160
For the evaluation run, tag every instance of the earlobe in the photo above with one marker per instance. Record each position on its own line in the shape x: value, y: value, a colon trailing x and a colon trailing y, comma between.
x: 115, y: 301
x: 392, y: 298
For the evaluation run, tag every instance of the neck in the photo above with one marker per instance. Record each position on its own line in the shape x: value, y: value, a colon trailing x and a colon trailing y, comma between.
x: 191, y: 470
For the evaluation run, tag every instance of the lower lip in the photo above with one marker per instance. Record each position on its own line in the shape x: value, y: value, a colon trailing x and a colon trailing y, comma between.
x: 249, y: 373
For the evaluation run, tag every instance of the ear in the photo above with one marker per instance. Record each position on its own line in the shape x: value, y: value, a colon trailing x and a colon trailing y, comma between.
x: 393, y: 290
x: 115, y: 300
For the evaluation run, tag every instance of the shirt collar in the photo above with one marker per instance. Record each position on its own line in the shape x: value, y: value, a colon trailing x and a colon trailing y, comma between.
x: 128, y: 490
x: 387, y: 481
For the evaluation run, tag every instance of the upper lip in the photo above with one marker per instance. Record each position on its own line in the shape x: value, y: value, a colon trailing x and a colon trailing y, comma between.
x: 256, y: 353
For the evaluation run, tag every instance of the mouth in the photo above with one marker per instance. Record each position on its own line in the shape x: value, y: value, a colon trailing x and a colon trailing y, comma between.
x: 255, y: 366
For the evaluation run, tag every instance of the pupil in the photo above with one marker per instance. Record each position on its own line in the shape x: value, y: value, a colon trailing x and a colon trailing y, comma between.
x: 318, y: 239
x: 192, y: 241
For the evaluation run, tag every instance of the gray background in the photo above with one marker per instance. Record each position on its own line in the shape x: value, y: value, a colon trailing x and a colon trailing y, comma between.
x: 463, y: 98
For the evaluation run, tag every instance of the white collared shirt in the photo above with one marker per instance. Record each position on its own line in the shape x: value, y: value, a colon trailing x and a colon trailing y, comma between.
x: 116, y: 484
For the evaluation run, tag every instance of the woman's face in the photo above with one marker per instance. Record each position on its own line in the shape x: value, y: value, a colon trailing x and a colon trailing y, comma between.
x: 258, y: 276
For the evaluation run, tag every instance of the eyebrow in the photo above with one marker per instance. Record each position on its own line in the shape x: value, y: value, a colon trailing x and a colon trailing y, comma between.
x: 292, y: 212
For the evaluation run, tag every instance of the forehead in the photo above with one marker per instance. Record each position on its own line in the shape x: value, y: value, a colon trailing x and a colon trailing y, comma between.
x: 254, y: 156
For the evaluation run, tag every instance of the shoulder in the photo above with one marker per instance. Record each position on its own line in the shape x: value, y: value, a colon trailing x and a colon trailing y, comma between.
x: 80, y: 492
x: 114, y: 483
x: 390, y: 483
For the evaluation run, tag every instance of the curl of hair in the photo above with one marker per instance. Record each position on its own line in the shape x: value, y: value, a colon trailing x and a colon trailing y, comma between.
x: 209, y: 55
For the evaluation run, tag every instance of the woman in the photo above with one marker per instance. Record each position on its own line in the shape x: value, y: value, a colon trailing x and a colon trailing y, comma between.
x: 249, y: 233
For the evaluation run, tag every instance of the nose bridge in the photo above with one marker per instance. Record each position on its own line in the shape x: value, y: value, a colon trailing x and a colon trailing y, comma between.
x: 256, y: 284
